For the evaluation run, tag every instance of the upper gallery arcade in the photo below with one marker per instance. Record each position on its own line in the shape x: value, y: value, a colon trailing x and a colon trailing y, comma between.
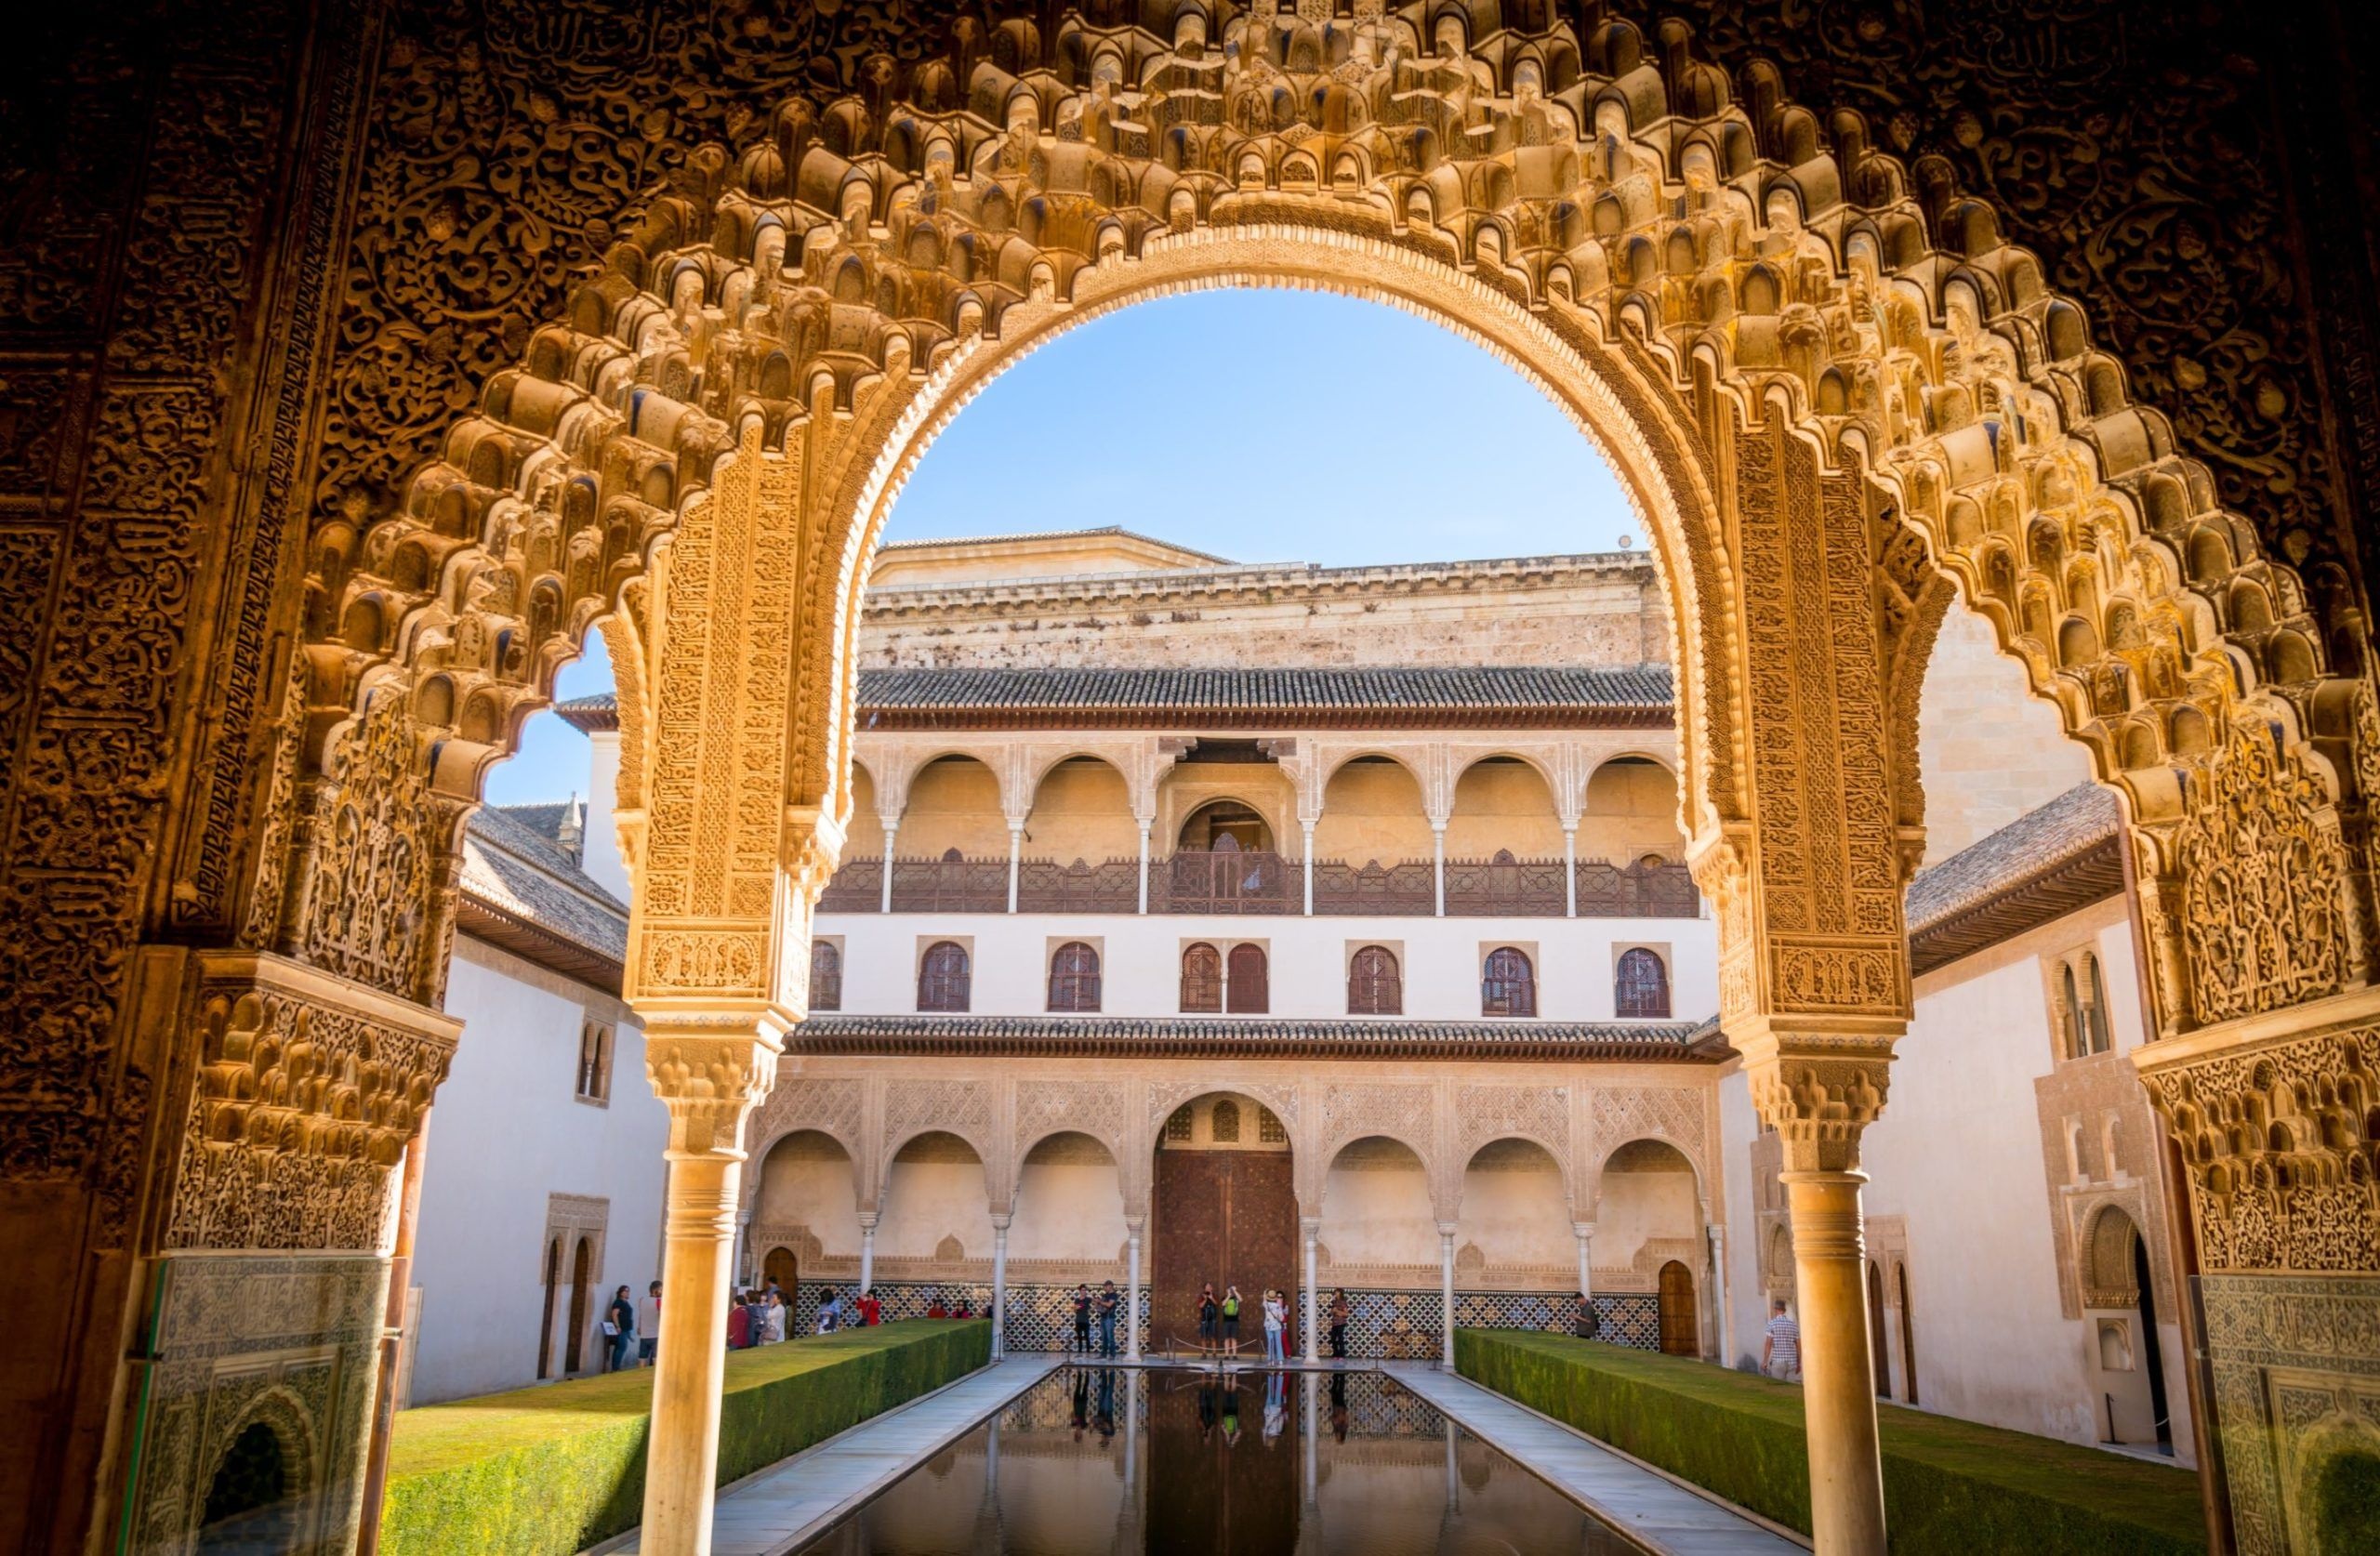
x: 1842, y: 400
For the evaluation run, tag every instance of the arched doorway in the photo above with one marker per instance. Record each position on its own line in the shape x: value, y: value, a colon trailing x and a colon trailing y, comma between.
x: 1908, y: 1338
x: 582, y: 1275
x: 545, y: 1325
x: 253, y: 1504
x: 805, y: 1219
x: 1681, y: 1320
x: 2127, y: 1354
x: 1879, y: 1351
x: 1379, y: 1240
x: 1647, y: 1215
x: 1514, y: 1249
x: 779, y: 1267
x: 1068, y: 1228
x: 1224, y: 1210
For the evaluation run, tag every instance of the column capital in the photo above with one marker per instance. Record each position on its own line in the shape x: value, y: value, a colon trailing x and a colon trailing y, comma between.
x: 1134, y: 1223
x: 1447, y: 1229
x: 1311, y: 1226
x: 710, y: 1075
x: 868, y: 1220
x: 1584, y: 1229
x: 1819, y: 1090
x: 1000, y: 1219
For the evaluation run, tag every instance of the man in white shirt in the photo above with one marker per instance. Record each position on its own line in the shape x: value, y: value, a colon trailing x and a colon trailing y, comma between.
x: 648, y: 1323
x: 1780, y: 1352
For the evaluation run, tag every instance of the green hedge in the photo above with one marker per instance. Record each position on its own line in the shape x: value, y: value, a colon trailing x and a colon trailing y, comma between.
x: 557, y: 1468
x: 1950, y: 1486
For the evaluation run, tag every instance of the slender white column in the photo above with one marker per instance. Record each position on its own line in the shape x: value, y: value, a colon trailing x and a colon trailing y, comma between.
x: 1132, y: 1287
x: 1015, y: 854
x: 868, y: 1220
x: 741, y: 1260
x: 999, y: 1286
x: 1585, y: 1232
x: 1308, y: 827
x: 1719, y: 1294
x: 1438, y: 853
x: 890, y: 831
x: 1446, y: 1288
x: 1570, y: 870
x: 1144, y: 865
x: 1312, y: 1226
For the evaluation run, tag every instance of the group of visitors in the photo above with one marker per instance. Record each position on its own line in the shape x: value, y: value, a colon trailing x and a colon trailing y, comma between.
x: 630, y: 1329
x: 1103, y: 1308
x: 940, y: 1309
x: 1219, y: 1322
x: 765, y: 1317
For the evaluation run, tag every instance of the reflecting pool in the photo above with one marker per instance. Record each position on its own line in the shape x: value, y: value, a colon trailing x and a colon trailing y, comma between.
x: 1092, y: 1461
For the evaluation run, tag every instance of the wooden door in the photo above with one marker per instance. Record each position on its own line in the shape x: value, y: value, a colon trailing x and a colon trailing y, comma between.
x: 581, y: 1273
x: 1681, y: 1326
x: 1225, y: 1217
x: 781, y: 1267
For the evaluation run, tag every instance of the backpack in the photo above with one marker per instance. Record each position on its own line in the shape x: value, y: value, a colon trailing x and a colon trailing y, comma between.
x: 1231, y: 1307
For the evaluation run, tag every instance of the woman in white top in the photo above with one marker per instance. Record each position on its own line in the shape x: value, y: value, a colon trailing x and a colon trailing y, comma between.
x: 1276, y: 1318
x: 773, y: 1331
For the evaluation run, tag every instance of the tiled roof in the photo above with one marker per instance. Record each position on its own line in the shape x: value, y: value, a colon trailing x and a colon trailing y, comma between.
x: 2046, y: 864
x: 524, y: 892
x: 897, y: 695
x: 1420, y: 694
x: 1206, y: 1036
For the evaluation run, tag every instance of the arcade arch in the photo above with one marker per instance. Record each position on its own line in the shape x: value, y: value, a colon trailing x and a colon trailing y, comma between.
x: 1773, y: 337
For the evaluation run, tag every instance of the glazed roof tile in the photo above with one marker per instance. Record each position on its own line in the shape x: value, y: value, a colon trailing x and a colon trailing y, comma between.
x: 524, y: 891
x: 2048, y: 863
x: 1275, y: 1037
x: 1464, y: 688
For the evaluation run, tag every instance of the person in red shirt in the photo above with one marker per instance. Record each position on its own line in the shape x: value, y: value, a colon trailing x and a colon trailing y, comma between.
x: 739, y: 1326
x: 937, y: 1310
x: 872, y: 1312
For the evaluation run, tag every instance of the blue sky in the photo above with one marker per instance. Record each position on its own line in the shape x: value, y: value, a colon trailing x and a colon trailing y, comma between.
x: 1263, y: 426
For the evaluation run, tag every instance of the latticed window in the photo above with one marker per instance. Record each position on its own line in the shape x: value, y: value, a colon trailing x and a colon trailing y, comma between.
x: 2096, y: 1016
x: 2078, y: 1040
x: 1222, y: 1125
x: 1642, y: 986
x: 1374, y: 985
x: 945, y: 978
x: 1202, y: 980
x: 826, y: 975
x: 1178, y: 1126
x: 1249, y: 991
x: 594, y: 1076
x: 1074, y: 978
x: 1508, y: 987
x: 1268, y: 1128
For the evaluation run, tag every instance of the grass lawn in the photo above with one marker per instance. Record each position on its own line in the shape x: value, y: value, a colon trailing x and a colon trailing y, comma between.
x: 1950, y: 1486
x: 558, y: 1467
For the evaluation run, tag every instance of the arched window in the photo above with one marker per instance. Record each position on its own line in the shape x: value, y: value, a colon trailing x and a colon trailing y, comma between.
x: 1222, y: 1125
x: 826, y: 975
x: 2097, y: 1014
x: 944, y: 977
x: 1074, y: 978
x: 1641, y: 987
x: 1880, y: 1354
x: 2078, y: 1042
x: 546, y: 1328
x: 1509, y: 986
x: 1202, y: 980
x: 1250, y: 991
x: 1908, y: 1338
x: 1374, y: 985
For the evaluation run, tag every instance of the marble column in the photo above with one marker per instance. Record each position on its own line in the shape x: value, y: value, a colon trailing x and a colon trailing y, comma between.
x: 1838, y: 1386
x: 1570, y: 870
x: 868, y: 1220
x: 708, y: 1081
x: 1308, y: 827
x: 1585, y: 1232
x: 1133, y: 1225
x: 1312, y: 1226
x: 1719, y: 1294
x: 1438, y: 864
x: 1015, y: 858
x: 890, y: 831
x: 999, y: 1285
x: 1445, y: 1291
x: 740, y: 1262
x: 1145, y: 822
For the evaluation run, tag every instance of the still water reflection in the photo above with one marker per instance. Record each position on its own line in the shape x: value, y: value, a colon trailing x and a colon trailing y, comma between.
x: 1092, y: 1461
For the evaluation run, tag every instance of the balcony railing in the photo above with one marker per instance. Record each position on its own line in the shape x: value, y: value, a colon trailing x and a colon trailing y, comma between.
x: 1506, y: 887
x: 1229, y: 882
x: 1046, y: 886
x: 1192, y: 881
x: 950, y: 885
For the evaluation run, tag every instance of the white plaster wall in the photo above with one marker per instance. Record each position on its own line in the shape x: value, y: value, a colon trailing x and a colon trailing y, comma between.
x: 1378, y: 1212
x: 599, y: 854
x: 508, y: 1132
x: 1517, y: 1214
x: 925, y: 1202
x: 804, y: 1184
x: 1637, y: 1205
x: 1069, y: 1209
x: 1141, y: 960
x: 1957, y: 1155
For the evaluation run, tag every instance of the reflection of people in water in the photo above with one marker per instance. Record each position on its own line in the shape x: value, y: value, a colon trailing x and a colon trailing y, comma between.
x: 1107, y: 1406
x: 1277, y: 1406
x: 1230, y: 1417
x: 1206, y: 1412
x: 1082, y: 1404
x: 1339, y: 1406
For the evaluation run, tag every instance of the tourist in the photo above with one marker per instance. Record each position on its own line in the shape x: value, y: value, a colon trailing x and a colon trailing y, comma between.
x: 739, y: 1325
x: 648, y: 1325
x: 1780, y: 1349
x: 1107, y: 1305
x: 1083, y: 1320
x: 830, y: 1310
x: 1277, y: 1322
x: 1340, y: 1312
x: 1207, y: 1310
x: 773, y: 1317
x: 759, y: 1309
x: 871, y: 1311
x: 619, y: 1331
x: 1587, y: 1321
x: 966, y: 1309
x: 1231, y: 1320
x: 937, y: 1308
x: 1277, y: 1406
